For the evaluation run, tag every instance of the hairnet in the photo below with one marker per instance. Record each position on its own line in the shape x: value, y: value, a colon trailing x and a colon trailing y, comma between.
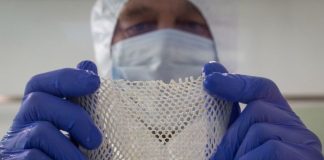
x: 219, y: 14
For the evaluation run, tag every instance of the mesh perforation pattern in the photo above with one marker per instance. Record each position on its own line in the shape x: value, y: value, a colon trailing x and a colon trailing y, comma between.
x: 152, y: 120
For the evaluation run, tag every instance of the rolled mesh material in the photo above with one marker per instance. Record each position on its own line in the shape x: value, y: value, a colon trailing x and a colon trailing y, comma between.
x: 153, y: 120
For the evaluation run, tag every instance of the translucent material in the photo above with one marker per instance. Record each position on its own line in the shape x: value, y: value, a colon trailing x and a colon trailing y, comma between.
x: 152, y: 120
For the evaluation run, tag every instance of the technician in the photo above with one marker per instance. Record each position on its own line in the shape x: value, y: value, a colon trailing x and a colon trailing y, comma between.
x: 158, y: 40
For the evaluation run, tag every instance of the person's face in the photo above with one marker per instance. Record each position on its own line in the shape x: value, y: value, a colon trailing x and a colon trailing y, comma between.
x: 142, y: 16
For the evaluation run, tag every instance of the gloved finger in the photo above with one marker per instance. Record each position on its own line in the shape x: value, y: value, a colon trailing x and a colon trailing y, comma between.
x: 213, y: 67
x: 260, y: 133
x: 88, y: 66
x: 29, y: 154
x: 255, y: 112
x: 66, y: 82
x: 45, y: 137
x: 63, y: 114
x: 242, y: 88
x: 276, y: 150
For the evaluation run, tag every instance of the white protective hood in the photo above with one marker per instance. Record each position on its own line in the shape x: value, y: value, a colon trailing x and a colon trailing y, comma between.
x: 221, y: 16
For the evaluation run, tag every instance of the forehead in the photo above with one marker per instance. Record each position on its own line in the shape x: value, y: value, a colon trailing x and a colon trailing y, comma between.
x: 162, y: 6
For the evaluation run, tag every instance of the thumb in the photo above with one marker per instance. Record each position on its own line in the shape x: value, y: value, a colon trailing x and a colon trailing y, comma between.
x: 212, y: 67
x: 66, y: 82
x: 88, y: 66
x: 242, y: 88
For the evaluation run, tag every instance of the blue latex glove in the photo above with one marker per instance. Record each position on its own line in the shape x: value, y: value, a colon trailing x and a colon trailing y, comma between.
x: 267, y: 129
x: 45, y: 110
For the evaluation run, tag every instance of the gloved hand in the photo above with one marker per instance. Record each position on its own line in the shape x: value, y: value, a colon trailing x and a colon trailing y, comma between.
x: 45, y: 110
x: 267, y: 129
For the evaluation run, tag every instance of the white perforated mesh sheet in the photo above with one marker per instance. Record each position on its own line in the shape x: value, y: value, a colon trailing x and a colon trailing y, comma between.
x: 152, y: 120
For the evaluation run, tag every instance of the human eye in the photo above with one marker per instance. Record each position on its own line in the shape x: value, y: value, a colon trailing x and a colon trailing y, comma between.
x: 139, y: 28
x: 194, y: 27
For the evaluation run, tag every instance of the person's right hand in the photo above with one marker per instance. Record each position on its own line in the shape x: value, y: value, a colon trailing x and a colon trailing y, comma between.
x: 45, y: 110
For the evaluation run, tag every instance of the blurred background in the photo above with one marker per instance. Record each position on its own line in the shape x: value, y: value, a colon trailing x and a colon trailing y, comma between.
x: 282, y: 40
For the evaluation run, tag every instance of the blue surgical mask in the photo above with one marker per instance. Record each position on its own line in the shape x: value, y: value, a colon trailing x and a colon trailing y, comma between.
x: 161, y: 55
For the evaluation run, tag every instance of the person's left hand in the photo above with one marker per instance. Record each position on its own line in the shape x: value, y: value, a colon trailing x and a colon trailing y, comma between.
x: 267, y: 129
